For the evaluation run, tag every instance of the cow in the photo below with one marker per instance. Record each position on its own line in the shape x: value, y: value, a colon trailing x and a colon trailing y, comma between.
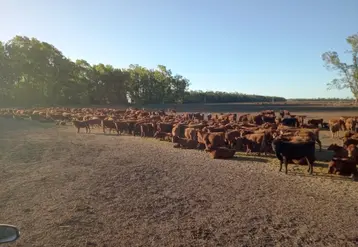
x: 185, y: 143
x: 288, y: 151
x: 146, y: 130
x: 284, y: 113
x: 350, y: 124
x: 334, y: 129
x: 94, y: 122
x: 316, y: 122
x: 337, y: 122
x: 256, y: 141
x: 81, y: 124
x: 343, y: 166
x: 162, y: 135
x: 211, y: 140
x: 221, y: 153
x: 122, y: 127
x: 165, y: 127
x: 293, y: 122
x: 190, y: 133
x: 111, y: 125
x: 231, y: 138
x: 268, y: 119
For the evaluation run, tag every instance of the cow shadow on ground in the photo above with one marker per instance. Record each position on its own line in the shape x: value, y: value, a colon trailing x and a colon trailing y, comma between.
x: 250, y: 158
x: 321, y: 175
x: 103, y: 134
x: 324, y: 155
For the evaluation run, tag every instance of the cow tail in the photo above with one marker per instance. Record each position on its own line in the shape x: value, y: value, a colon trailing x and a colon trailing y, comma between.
x: 115, y: 124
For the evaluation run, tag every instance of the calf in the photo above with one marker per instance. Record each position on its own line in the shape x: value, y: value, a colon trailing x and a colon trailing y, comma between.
x: 288, y: 151
x: 185, y: 143
x: 81, y: 124
x: 221, y: 153
x: 334, y: 129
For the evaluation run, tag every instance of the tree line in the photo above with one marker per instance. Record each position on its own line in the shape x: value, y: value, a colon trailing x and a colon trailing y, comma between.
x: 33, y: 72
x: 322, y: 99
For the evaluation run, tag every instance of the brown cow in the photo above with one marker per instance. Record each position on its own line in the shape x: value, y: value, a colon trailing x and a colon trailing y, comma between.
x: 211, y: 140
x: 185, y: 143
x: 350, y: 124
x: 255, y: 142
x: 162, y: 135
x: 337, y: 122
x: 310, y: 135
x: 190, y: 133
x: 231, y: 137
x: 221, y: 153
x: 334, y: 129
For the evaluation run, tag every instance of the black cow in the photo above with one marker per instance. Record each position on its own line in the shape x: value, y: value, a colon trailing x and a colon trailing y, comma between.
x: 267, y: 119
x: 288, y: 151
x: 290, y: 122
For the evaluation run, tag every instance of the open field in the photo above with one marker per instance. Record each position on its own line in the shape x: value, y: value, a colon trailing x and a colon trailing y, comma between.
x: 66, y: 189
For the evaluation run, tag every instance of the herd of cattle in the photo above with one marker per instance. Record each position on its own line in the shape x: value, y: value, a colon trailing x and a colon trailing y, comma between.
x: 289, y: 137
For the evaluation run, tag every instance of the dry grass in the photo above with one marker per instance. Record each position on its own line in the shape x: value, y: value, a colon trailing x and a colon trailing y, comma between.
x: 66, y: 189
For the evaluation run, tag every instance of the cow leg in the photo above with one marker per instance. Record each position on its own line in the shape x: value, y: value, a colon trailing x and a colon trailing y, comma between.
x: 281, y: 161
x: 286, y: 164
x: 78, y: 130
x: 248, y: 150
x: 310, y: 166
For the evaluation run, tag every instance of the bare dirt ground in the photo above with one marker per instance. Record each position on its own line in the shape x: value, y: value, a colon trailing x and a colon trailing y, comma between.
x: 66, y: 189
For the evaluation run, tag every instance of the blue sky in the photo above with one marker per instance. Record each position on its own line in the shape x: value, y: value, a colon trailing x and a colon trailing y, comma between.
x: 253, y: 46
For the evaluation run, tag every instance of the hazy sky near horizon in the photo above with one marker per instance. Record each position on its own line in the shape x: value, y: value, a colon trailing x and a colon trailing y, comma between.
x: 250, y: 46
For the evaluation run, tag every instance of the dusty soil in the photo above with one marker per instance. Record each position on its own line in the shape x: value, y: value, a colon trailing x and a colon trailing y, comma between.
x: 66, y: 189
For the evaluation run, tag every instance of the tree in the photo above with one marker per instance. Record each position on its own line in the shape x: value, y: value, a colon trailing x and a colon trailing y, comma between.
x: 348, y: 73
x: 33, y: 72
